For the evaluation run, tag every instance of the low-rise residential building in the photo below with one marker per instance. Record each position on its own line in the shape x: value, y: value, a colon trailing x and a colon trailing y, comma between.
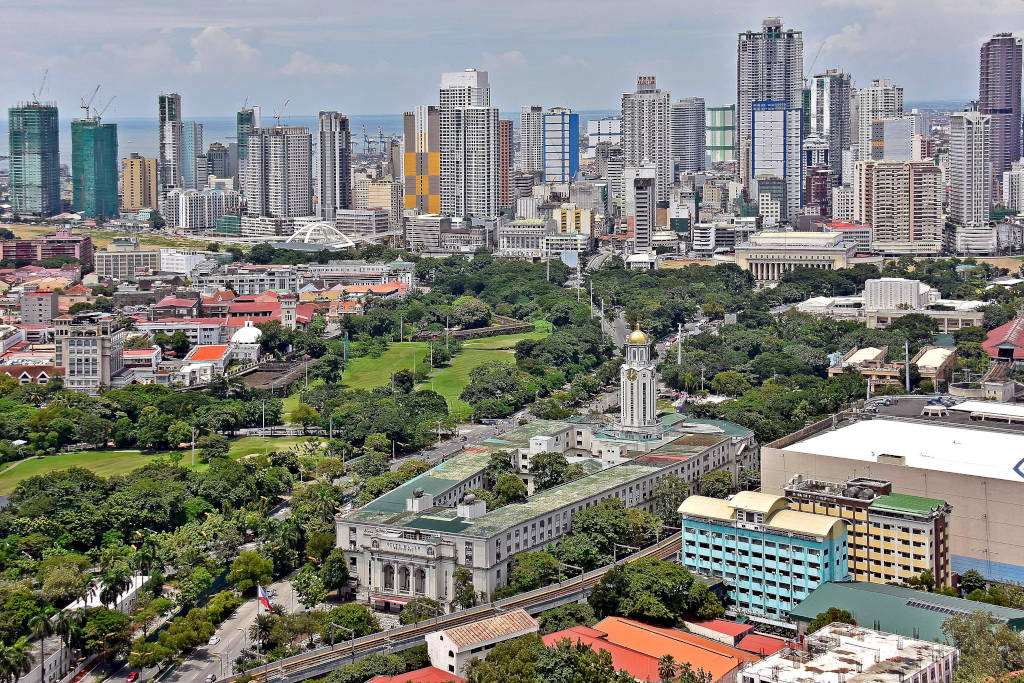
x: 935, y: 364
x: 891, y: 536
x: 841, y: 653
x: 123, y: 259
x: 769, y: 556
x: 451, y: 649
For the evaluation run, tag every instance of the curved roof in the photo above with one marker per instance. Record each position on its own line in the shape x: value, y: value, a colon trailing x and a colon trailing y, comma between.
x: 806, y: 523
x: 703, y: 506
x: 320, y: 233
x: 637, y: 337
x: 247, y: 334
x: 759, y: 502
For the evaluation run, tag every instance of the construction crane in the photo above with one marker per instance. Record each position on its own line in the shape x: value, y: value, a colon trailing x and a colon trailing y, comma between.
x: 87, y: 104
x: 39, y: 93
x: 100, y: 113
x: 280, y: 112
x: 810, y: 69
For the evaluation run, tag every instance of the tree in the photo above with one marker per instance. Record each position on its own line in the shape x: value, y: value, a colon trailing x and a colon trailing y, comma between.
x: 667, y: 667
x: 716, y: 484
x: 42, y: 627
x: 309, y: 587
x: 464, y: 593
x: 512, y: 661
x: 212, y: 446
x: 831, y: 616
x: 249, y: 570
x: 581, y: 550
x: 334, y: 573
x: 419, y: 609
x: 750, y: 479
x: 548, y: 469
x: 352, y: 616
x: 305, y: 415
x: 468, y: 312
x: 530, y: 571
x: 668, y: 494
x: 567, y: 661
x: 566, y: 616
x: 509, y: 489
x: 730, y: 383
x: 499, y: 463
x: 15, y: 660
x: 987, y: 648
x: 654, y: 591
x: 970, y: 581
x: 178, y: 433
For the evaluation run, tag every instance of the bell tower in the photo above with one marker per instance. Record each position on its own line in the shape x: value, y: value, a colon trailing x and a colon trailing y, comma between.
x: 638, y: 389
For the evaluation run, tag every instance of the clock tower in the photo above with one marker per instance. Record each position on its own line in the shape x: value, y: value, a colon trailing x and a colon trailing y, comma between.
x: 638, y: 390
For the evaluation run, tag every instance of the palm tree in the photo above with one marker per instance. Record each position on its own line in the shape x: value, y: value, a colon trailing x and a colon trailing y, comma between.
x: 261, y: 628
x: 667, y: 668
x: 17, y: 660
x: 42, y: 627
x: 115, y: 582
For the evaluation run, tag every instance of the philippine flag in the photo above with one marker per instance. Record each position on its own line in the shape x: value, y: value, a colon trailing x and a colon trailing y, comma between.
x: 264, y: 598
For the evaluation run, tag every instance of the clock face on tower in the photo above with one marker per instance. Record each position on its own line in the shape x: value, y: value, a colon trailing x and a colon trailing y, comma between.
x: 631, y: 374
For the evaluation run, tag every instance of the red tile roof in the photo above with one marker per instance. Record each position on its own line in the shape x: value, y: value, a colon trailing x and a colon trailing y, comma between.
x: 211, y: 352
x: 1010, y: 334
x: 763, y: 645
x: 640, y: 666
x: 430, y: 674
x: 77, y: 289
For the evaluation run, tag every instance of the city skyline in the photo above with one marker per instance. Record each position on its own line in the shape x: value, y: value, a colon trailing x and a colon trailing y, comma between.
x: 217, y: 57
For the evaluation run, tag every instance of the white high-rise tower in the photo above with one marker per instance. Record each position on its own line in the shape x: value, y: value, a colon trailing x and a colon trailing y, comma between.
x: 881, y: 100
x: 470, y: 146
x: 638, y: 391
x: 970, y: 188
x: 646, y: 132
x: 334, y: 184
x: 278, y: 178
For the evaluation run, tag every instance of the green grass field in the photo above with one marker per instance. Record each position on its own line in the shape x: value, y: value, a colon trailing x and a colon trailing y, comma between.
x: 367, y: 373
x: 103, y: 463
x: 248, y: 445
x: 450, y: 381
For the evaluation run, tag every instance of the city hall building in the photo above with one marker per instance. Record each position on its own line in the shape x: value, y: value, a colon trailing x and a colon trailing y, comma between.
x: 409, y: 542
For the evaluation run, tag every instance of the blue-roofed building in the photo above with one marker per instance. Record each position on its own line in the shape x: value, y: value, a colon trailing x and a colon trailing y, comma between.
x: 769, y: 556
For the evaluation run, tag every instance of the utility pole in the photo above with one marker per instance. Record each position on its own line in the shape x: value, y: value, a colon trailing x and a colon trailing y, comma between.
x: 906, y: 356
x: 401, y: 332
x: 193, y: 428
x: 591, y: 298
x: 446, y: 332
x: 679, y: 344
x: 264, y: 428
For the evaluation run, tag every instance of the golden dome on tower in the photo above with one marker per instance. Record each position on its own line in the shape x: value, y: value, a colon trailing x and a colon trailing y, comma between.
x: 637, y: 337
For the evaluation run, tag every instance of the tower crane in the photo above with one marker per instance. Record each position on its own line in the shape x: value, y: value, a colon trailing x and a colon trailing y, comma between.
x: 280, y: 112
x: 87, y: 104
x: 100, y: 113
x: 39, y: 93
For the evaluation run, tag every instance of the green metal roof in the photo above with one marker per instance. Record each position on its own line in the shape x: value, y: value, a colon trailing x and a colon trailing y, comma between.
x: 730, y: 428
x: 895, y: 609
x: 905, y: 503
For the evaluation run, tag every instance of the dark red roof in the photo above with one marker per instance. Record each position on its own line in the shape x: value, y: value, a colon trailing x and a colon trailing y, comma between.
x: 1009, y: 335
x: 430, y: 674
x: 763, y: 645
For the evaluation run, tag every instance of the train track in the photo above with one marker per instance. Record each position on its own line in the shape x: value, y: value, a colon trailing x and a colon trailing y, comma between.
x: 319, y: 662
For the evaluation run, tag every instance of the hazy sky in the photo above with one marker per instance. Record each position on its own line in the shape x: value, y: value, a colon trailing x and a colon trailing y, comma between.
x: 385, y: 57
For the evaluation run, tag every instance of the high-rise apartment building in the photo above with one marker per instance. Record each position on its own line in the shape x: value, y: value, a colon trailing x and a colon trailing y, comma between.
x: 90, y: 348
x: 646, y: 136
x: 1013, y: 187
x: 171, y: 150
x: 334, y: 152
x: 721, y: 133
x: 531, y: 138
x: 640, y: 186
x: 891, y: 139
x: 191, y: 149
x: 561, y: 144
x: 139, y: 183
x: 880, y: 100
x: 278, y: 178
x: 219, y: 162
x: 775, y: 150
x: 506, y: 156
x: 380, y: 193
x: 689, y: 135
x: 246, y: 121
x: 34, y: 158
x: 769, y: 67
x: 94, y: 167
x: 970, y: 182
x: 607, y: 130
x: 999, y: 97
x: 902, y: 202
x: 469, y: 145
x: 422, y: 163
x: 829, y: 115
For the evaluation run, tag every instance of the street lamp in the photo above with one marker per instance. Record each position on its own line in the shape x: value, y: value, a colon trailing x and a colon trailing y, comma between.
x: 352, y: 636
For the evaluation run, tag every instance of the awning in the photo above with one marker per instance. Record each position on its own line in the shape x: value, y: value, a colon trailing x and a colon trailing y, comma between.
x: 389, y: 598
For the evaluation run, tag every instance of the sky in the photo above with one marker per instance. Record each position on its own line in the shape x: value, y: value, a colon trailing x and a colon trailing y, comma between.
x: 387, y: 57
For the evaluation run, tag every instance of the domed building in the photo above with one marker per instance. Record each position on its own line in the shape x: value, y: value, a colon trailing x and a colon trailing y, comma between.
x: 246, y: 343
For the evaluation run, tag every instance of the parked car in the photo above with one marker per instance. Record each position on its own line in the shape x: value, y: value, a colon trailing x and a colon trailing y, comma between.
x: 210, y: 678
x: 214, y: 640
x: 132, y: 677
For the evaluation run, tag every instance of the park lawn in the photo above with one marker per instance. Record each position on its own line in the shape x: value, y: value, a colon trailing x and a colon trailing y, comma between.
x: 290, y: 403
x: 450, y: 381
x: 367, y: 372
x: 103, y: 463
x: 102, y: 238
x: 247, y: 445
x: 503, y: 341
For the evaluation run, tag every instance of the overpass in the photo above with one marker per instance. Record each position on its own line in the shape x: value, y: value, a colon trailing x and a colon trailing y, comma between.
x: 322, y: 660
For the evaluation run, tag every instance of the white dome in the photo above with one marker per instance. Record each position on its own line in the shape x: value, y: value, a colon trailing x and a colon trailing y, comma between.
x: 247, y: 334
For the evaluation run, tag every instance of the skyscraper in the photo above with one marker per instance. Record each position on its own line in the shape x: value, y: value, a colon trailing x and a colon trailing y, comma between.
x: 645, y: 132
x: 170, y: 141
x: 999, y: 97
x: 278, y: 176
x: 422, y: 163
x: 688, y: 133
x: 34, y: 158
x: 218, y: 161
x: 334, y: 184
x: 970, y: 184
x: 561, y: 144
x: 94, y: 167
x: 721, y: 133
x: 191, y: 148
x: 531, y: 138
x: 829, y: 115
x: 902, y: 202
x: 880, y: 100
x: 505, y: 156
x: 775, y: 150
x: 139, y: 183
x: 639, y: 183
x: 246, y: 121
x: 769, y: 67
x: 469, y: 145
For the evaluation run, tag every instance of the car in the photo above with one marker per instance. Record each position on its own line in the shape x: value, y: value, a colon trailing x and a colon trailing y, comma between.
x: 214, y: 640
x: 210, y: 678
x: 132, y: 677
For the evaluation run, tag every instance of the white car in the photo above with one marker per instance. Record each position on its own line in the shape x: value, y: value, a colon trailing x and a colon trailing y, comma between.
x: 214, y: 640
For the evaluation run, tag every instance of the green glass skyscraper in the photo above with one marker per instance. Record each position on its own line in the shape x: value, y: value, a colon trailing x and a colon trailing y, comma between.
x: 94, y: 167
x: 34, y: 158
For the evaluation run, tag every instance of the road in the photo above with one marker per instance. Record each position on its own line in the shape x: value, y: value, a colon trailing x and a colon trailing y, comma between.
x: 324, y: 659
x: 472, y: 433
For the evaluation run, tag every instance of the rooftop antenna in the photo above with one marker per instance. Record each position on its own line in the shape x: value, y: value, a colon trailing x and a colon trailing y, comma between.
x: 280, y: 112
x: 39, y: 93
x: 87, y: 104
x: 245, y: 103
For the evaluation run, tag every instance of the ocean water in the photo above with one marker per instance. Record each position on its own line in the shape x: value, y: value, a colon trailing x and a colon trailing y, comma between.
x: 140, y: 134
